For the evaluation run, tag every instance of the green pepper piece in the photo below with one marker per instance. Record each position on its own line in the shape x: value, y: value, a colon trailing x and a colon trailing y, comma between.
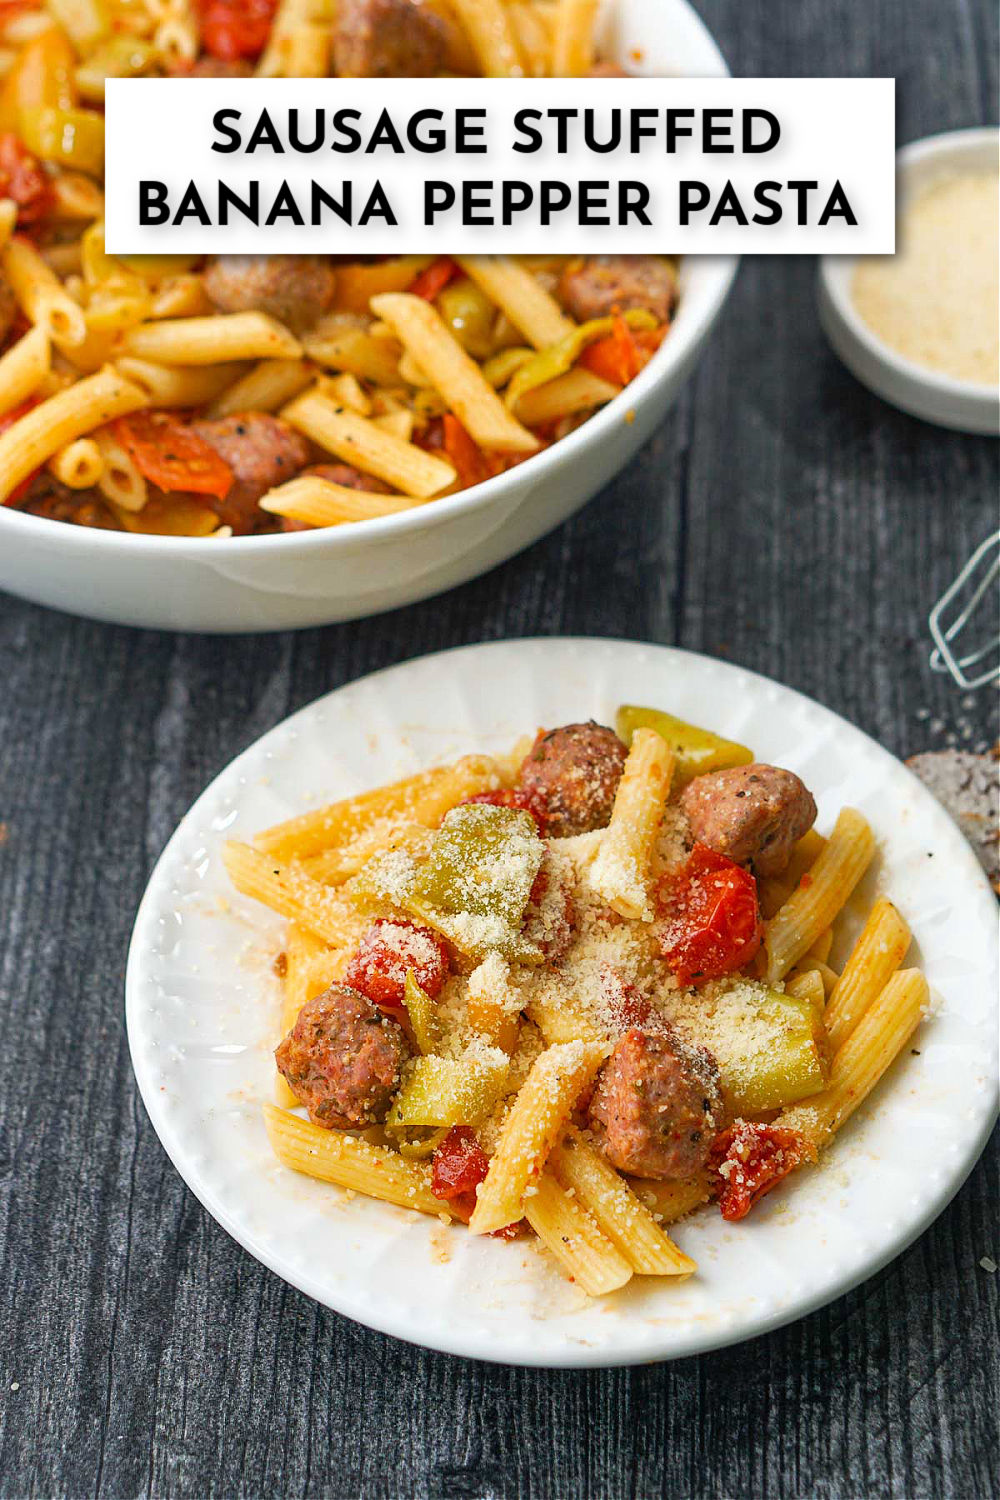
x: 423, y: 1015
x: 476, y: 882
x: 558, y: 358
x: 777, y: 1055
x: 695, y: 750
x: 445, y: 1091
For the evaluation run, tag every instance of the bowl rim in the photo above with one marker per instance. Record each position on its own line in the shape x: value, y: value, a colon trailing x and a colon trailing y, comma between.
x: 694, y: 320
x: 835, y: 274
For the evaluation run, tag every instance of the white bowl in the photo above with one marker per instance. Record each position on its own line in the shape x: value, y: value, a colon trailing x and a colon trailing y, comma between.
x: 964, y: 405
x: 315, y: 578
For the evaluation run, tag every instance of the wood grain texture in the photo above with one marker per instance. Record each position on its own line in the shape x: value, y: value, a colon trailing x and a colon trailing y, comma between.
x: 783, y: 518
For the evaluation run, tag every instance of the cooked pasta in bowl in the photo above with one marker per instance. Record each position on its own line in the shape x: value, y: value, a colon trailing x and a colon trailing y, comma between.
x: 253, y: 442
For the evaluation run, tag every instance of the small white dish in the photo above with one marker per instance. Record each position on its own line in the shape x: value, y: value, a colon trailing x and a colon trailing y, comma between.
x: 963, y: 405
x: 202, y: 1007
x: 286, y: 582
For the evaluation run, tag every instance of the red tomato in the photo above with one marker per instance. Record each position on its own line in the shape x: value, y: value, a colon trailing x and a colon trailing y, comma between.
x: 7, y: 420
x: 22, y: 178
x: 458, y: 1166
x: 171, y: 456
x: 471, y: 464
x: 748, y: 1160
x: 386, y: 951
x: 434, y: 278
x: 629, y: 1008
x: 711, y: 918
x: 614, y: 358
x: 234, y: 29
x: 529, y: 802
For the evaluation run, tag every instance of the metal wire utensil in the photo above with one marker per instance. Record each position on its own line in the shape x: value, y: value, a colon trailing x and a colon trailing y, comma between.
x: 979, y: 661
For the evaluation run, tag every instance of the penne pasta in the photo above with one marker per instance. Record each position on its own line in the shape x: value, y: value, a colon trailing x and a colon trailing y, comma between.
x: 119, y: 480
x: 69, y: 414
x: 454, y: 374
x: 41, y: 295
x: 862, y: 1060
x: 318, y: 502
x: 573, y: 43
x: 487, y: 25
x: 566, y: 1229
x: 615, y: 1209
x: 423, y: 798
x: 333, y: 1156
x: 520, y: 296
x: 269, y: 385
x: 541, y: 1108
x: 578, y: 390
x: 876, y: 956
x: 620, y: 872
x: 168, y: 387
x: 24, y: 367
x: 210, y: 341
x: 359, y: 442
x: 78, y: 465
x: 796, y: 926
x: 291, y: 892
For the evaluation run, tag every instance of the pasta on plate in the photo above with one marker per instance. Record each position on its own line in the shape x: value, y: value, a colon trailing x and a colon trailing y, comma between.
x: 576, y: 992
x: 245, y: 395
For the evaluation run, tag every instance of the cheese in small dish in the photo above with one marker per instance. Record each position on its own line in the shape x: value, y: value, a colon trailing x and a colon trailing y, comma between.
x: 936, y: 300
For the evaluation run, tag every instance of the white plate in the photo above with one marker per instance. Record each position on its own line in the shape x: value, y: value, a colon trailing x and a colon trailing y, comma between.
x: 202, y: 1005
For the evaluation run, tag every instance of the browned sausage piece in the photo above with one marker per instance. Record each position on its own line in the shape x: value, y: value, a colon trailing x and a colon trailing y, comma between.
x: 753, y: 814
x: 57, y: 502
x: 657, y: 1106
x: 295, y: 289
x: 214, y: 67
x: 8, y: 309
x: 349, y: 477
x: 575, y: 770
x: 604, y: 282
x: 388, y: 39
x: 262, y: 451
x: 342, y: 1059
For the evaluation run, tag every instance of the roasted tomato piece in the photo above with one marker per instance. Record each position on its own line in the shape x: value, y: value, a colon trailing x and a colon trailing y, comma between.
x: 434, y: 278
x: 386, y: 951
x: 171, y: 456
x: 528, y: 801
x: 234, y: 29
x: 748, y: 1160
x: 711, y: 921
x: 23, y: 179
x: 458, y: 1166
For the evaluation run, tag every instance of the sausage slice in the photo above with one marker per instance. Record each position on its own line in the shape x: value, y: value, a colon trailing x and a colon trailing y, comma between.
x: 388, y: 39
x: 657, y: 1106
x: 342, y: 1059
x: 575, y: 770
x: 295, y: 289
x: 752, y: 814
x: 262, y: 451
x: 603, y: 282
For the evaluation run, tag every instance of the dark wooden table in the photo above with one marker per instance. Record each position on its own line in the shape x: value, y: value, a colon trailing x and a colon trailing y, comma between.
x: 782, y: 518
